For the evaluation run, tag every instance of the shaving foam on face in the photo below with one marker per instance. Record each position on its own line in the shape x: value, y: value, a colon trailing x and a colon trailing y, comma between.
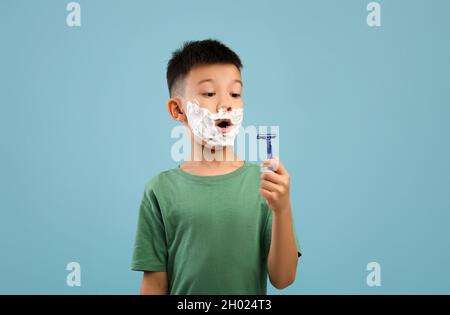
x: 203, y: 124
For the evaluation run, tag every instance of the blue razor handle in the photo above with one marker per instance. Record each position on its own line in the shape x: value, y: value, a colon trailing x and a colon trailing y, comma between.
x: 267, y: 137
x: 269, y: 149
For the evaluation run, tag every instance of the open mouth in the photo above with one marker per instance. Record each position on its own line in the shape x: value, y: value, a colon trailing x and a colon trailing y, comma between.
x: 223, y: 125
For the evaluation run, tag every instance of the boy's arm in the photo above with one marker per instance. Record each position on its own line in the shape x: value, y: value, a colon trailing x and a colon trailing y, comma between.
x: 282, y: 258
x: 154, y: 283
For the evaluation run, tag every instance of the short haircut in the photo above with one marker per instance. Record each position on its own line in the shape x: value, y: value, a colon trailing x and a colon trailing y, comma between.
x: 195, y: 53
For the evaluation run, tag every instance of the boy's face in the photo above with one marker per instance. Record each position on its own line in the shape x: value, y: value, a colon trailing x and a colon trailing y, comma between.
x: 211, y: 87
x: 214, y: 86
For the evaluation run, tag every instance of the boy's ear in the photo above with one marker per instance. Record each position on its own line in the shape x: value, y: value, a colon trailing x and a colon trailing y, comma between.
x: 174, y: 106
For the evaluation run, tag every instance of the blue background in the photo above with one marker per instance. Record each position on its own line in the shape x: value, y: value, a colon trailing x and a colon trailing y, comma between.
x: 363, y: 115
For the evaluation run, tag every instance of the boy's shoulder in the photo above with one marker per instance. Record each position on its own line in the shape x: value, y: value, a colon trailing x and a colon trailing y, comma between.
x: 155, y: 181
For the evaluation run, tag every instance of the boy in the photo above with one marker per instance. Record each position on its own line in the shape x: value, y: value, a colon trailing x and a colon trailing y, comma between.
x: 213, y: 225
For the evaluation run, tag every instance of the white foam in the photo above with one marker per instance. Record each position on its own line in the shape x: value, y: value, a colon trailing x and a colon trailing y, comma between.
x: 203, y: 124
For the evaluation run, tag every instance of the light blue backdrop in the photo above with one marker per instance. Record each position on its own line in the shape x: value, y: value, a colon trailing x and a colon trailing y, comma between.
x: 363, y: 113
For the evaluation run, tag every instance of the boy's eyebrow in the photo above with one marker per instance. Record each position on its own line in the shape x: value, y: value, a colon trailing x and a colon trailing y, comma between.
x: 205, y: 80
x: 211, y: 80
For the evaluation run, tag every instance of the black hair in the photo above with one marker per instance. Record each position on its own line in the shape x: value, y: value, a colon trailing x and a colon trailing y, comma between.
x: 194, y: 53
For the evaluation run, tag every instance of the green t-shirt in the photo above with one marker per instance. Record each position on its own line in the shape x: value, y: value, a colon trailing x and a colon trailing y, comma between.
x: 211, y: 234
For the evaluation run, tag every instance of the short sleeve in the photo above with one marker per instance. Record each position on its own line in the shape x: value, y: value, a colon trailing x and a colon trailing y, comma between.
x: 150, y: 247
x: 268, y: 236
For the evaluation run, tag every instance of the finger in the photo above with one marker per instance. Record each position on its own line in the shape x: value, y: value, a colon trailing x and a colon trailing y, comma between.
x: 273, y: 177
x: 280, y: 167
x: 267, y: 195
x: 267, y: 185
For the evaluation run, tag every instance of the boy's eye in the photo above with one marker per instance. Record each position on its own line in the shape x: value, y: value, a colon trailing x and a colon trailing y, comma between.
x: 209, y: 94
x: 235, y: 95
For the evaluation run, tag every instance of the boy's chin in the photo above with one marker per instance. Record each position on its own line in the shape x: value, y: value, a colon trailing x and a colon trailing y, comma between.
x: 211, y: 146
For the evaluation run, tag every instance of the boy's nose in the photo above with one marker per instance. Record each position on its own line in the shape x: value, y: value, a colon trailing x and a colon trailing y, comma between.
x: 226, y: 108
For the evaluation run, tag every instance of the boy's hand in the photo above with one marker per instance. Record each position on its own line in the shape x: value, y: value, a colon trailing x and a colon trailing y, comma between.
x: 274, y: 186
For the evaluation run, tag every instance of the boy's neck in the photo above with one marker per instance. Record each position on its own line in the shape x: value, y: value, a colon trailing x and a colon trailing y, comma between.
x: 212, y: 162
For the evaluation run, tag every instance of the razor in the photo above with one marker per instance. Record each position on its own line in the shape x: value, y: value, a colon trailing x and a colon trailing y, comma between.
x: 268, y: 137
